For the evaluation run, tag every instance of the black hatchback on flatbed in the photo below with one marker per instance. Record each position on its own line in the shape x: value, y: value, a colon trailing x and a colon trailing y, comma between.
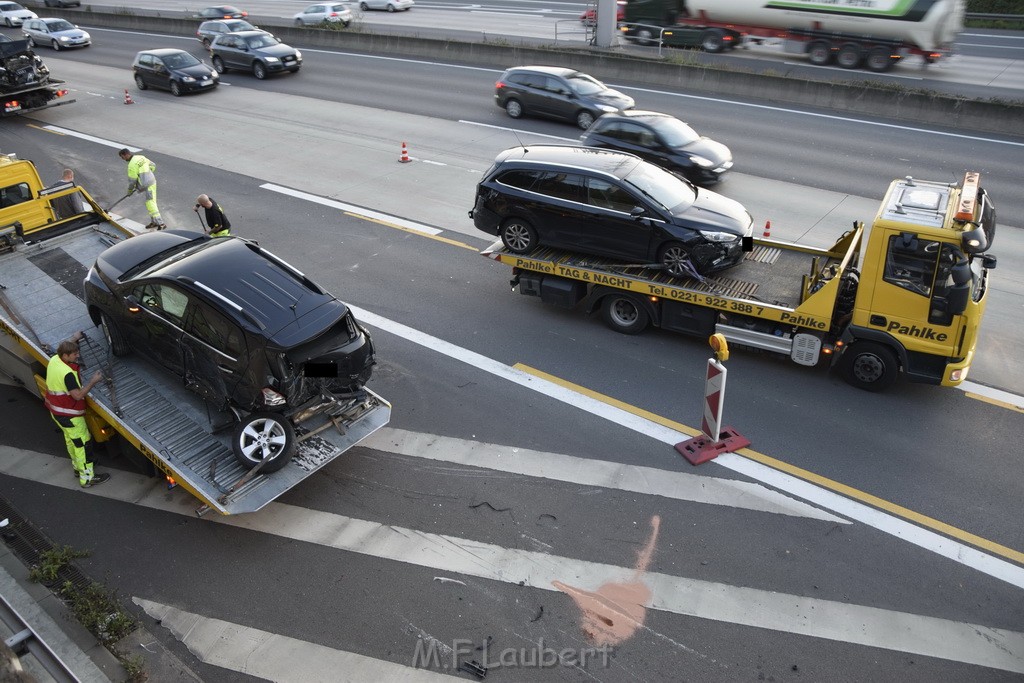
x: 245, y: 330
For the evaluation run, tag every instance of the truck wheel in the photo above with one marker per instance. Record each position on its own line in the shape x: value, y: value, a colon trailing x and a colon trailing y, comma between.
x: 513, y: 108
x: 624, y: 314
x: 819, y: 53
x: 264, y: 438
x: 712, y: 41
x: 676, y: 259
x: 870, y: 366
x: 880, y: 59
x: 115, y: 340
x: 584, y: 119
x: 141, y: 84
x: 518, y: 235
x: 849, y: 56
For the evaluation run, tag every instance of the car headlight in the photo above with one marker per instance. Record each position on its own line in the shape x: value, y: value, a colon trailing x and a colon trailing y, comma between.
x: 63, y: 39
x: 702, y: 162
x: 607, y: 108
x: 298, y: 55
x: 188, y: 79
x: 273, y: 60
x: 715, y: 236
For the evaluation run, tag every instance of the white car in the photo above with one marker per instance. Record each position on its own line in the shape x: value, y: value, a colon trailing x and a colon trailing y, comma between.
x: 389, y: 5
x: 14, y: 14
x: 55, y: 33
x: 333, y: 12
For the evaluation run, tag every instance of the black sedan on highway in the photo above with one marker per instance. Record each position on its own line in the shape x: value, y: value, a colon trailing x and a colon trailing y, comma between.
x: 663, y: 140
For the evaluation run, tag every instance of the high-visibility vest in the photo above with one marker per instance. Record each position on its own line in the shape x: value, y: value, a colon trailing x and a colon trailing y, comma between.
x: 140, y: 169
x: 60, y: 402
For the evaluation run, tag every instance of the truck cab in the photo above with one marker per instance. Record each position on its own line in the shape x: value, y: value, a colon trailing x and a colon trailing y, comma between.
x: 923, y: 284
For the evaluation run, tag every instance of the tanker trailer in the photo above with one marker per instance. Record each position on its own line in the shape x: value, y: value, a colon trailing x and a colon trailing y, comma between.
x: 853, y: 33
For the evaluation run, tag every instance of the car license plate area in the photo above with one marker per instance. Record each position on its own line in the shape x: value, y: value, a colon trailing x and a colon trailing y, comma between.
x: 320, y: 369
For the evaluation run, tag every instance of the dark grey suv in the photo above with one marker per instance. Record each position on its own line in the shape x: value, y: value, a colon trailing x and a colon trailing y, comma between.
x: 254, y: 51
x: 253, y: 336
x: 558, y: 93
x: 609, y: 204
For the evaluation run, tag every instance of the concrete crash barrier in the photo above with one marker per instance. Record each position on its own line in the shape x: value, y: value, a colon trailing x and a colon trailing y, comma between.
x: 993, y: 115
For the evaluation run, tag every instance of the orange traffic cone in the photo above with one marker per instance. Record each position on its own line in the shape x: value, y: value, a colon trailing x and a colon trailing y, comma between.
x: 128, y: 98
x: 405, y: 155
x: 767, y: 230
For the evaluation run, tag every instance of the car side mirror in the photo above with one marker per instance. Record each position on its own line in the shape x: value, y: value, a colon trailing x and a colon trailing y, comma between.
x: 637, y: 212
x: 133, y: 304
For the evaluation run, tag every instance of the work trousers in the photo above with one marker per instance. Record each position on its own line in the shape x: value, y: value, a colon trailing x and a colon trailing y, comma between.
x: 76, y: 437
x: 154, y: 212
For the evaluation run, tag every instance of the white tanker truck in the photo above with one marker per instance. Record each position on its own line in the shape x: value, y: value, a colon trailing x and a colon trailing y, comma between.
x: 853, y: 33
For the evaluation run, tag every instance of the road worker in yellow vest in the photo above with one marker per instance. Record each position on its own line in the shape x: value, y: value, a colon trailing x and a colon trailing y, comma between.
x: 142, y: 178
x: 65, y: 398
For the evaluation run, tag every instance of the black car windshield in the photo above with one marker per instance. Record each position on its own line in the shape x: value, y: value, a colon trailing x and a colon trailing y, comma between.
x: 583, y: 84
x: 661, y: 187
x: 674, y: 132
x: 59, y: 25
x: 179, y: 60
x: 260, y: 41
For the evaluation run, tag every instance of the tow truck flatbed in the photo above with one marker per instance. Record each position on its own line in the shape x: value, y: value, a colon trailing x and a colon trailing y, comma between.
x: 41, y: 304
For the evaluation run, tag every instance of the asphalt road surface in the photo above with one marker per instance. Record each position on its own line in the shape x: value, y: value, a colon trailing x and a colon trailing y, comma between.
x: 527, y: 497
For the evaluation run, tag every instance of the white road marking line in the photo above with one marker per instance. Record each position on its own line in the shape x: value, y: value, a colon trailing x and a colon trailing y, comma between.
x: 90, y: 138
x: 994, y: 394
x: 519, y: 131
x: 842, y: 622
x: 614, y: 475
x: 275, y: 657
x: 350, y: 208
x: 846, y: 507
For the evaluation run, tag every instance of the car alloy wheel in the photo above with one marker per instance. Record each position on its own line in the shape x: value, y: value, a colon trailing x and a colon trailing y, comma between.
x: 264, y: 439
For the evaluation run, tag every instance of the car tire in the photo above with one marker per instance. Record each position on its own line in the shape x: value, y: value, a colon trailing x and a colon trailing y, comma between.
x: 675, y: 258
x: 115, y: 340
x: 849, y: 56
x: 219, y: 65
x: 518, y: 236
x: 55, y: 45
x: 139, y: 83
x: 870, y: 366
x: 363, y: 6
x: 31, y: 43
x: 206, y: 43
x: 645, y: 36
x: 391, y: 8
x: 299, y: 23
x: 265, y: 439
x: 346, y: 24
x: 584, y: 119
x: 624, y: 314
x: 176, y: 88
x: 819, y: 53
x: 712, y: 41
x: 259, y: 70
x: 514, y: 108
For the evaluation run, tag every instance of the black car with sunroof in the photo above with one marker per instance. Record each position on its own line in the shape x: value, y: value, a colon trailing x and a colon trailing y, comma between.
x: 251, y: 334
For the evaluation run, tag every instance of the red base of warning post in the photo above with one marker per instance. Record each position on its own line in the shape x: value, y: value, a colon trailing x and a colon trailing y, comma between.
x: 700, y: 448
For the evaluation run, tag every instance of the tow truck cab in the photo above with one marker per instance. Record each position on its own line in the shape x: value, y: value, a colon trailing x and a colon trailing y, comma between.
x: 924, y: 278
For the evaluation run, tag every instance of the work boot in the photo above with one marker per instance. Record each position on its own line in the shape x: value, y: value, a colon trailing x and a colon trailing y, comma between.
x: 150, y: 226
x: 161, y: 226
x: 96, y: 479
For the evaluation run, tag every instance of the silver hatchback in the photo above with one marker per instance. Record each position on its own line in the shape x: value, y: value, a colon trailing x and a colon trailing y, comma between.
x: 55, y: 33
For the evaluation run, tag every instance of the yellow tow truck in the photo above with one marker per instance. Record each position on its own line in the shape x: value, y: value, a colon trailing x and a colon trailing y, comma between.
x: 907, y: 295
x: 49, y: 237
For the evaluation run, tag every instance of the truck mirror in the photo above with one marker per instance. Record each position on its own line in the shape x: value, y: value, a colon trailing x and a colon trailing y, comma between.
x: 957, y: 298
x: 961, y: 272
x: 974, y: 241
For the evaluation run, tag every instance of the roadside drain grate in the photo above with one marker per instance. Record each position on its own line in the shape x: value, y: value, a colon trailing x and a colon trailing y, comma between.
x: 28, y: 544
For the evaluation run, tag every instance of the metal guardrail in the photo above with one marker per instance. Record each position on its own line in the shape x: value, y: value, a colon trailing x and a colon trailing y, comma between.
x: 26, y: 641
x: 1007, y: 17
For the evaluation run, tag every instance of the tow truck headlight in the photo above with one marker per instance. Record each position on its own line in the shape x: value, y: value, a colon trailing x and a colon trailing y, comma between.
x: 718, y: 236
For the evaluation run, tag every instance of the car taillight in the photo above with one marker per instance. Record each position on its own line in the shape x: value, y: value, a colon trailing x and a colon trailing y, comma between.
x: 334, y: 14
x: 499, y: 84
x: 273, y: 398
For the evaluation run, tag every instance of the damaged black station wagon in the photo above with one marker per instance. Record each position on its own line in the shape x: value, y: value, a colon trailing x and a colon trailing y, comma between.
x: 243, y: 329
